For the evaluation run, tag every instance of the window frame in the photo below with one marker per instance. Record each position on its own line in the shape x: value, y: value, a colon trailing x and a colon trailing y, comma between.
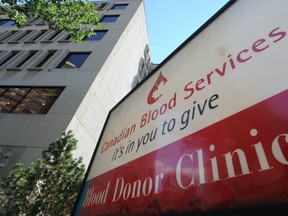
x: 96, y: 38
x: 69, y: 55
x: 40, y: 34
x: 23, y: 35
x: 54, y: 35
x: 23, y: 100
x: 11, y: 55
x: 47, y: 57
x: 121, y: 6
x: 26, y: 58
x: 11, y: 33
x: 105, y: 18
x: 4, y: 21
x: 101, y: 6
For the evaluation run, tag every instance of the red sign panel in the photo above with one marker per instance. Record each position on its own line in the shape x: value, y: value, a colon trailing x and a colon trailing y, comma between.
x: 239, y: 161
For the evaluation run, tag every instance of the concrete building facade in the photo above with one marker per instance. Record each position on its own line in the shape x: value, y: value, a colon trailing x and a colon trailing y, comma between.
x: 50, y: 84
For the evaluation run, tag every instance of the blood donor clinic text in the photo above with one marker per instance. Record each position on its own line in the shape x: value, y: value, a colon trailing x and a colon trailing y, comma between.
x: 239, y: 161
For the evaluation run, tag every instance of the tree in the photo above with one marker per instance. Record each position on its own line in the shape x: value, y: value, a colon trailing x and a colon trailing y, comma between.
x: 49, y: 187
x: 79, y: 18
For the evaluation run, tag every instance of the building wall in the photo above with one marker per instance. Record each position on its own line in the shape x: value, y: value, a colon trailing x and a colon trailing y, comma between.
x: 90, y: 91
x: 111, y: 84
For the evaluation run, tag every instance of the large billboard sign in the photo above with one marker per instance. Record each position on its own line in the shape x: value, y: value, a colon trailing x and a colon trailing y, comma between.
x: 208, y: 130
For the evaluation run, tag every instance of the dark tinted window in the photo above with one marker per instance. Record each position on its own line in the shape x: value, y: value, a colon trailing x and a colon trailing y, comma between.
x: 46, y: 59
x: 10, y: 34
x: 119, y: 6
x: 10, y: 56
x: 29, y: 56
x: 74, y: 60
x: 98, y: 36
x: 54, y: 35
x: 110, y: 18
x: 102, y: 6
x: 27, y: 100
x: 23, y: 35
x: 42, y: 32
x: 7, y: 23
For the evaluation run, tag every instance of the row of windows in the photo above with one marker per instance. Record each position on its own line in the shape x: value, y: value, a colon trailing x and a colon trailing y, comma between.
x: 35, y: 100
x: 38, y: 100
x: 107, y: 6
x: 105, y: 18
x: 30, y: 36
x: 30, y: 21
x: 16, y: 59
x: 101, y: 6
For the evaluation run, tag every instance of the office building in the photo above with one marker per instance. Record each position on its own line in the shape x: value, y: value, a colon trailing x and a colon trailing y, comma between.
x: 50, y: 84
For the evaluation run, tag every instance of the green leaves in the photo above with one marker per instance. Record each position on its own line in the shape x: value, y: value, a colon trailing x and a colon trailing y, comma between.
x: 79, y: 18
x: 49, y: 187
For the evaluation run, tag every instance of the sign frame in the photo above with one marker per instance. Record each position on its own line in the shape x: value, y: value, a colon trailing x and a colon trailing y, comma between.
x: 282, y: 209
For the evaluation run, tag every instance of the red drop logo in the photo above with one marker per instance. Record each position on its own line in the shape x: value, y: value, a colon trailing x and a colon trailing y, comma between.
x: 151, y: 96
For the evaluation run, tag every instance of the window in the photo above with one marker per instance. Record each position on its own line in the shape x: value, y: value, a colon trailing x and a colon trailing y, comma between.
x: 10, y: 56
x: 7, y: 23
x: 30, y: 55
x: 54, y: 35
x: 102, y: 6
x: 39, y: 22
x: 119, y: 6
x: 23, y: 35
x: 68, y: 37
x: 27, y: 100
x: 42, y: 32
x: 109, y: 18
x: 10, y: 34
x: 74, y: 60
x: 98, y: 36
x: 31, y: 20
x: 47, y: 57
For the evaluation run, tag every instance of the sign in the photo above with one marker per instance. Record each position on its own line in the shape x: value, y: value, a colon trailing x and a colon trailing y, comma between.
x: 208, y: 130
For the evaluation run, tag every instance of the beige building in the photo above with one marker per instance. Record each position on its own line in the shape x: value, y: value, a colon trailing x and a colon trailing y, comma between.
x: 50, y: 84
